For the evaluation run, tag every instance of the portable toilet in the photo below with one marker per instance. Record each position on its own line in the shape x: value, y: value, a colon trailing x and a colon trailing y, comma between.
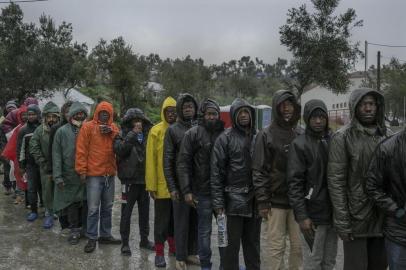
x: 225, y: 116
x: 263, y: 115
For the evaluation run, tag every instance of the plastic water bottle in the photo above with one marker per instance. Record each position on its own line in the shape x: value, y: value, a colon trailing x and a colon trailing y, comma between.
x: 222, y: 230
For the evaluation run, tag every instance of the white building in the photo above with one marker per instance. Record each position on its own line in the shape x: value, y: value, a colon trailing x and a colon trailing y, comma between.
x: 337, y: 104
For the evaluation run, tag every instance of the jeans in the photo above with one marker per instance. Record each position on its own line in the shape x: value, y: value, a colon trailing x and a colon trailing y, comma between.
x: 136, y: 193
x: 100, y: 197
x: 365, y: 254
x: 396, y: 255
x: 245, y: 231
x: 324, y: 253
x: 204, y: 218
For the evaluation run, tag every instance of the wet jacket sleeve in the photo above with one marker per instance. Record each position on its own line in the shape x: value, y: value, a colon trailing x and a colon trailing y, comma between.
x: 376, y: 182
x: 151, y: 178
x: 337, y: 172
x: 218, y: 164
x: 185, y: 163
x: 122, y: 146
x: 82, y: 150
x: 296, y: 177
x: 261, y: 172
x: 170, y: 160
x: 35, y: 148
x: 20, y: 155
x: 57, y: 157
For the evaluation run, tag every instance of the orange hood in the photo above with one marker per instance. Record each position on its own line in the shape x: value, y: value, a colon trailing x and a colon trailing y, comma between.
x: 104, y: 106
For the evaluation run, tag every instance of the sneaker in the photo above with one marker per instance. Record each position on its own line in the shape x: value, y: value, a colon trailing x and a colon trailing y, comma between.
x: 160, y: 261
x: 90, y: 246
x: 109, y: 240
x: 32, y: 217
x: 74, y: 238
x: 180, y: 265
x: 48, y: 222
x: 125, y: 250
x: 193, y: 259
x: 146, y: 244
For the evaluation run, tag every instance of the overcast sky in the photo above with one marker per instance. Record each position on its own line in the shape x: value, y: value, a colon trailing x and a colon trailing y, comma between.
x: 215, y: 30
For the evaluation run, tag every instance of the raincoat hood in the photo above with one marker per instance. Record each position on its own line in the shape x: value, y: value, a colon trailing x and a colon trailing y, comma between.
x: 34, y: 108
x: 179, y: 104
x: 310, y: 107
x: 20, y: 112
x: 30, y: 101
x: 11, y: 104
x: 65, y: 109
x: 168, y: 102
x: 50, y: 107
x: 236, y: 106
x: 75, y: 108
x: 279, y: 97
x: 134, y: 113
x: 357, y: 95
x: 104, y: 106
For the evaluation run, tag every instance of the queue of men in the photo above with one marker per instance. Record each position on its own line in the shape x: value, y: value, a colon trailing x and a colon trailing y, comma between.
x: 306, y: 185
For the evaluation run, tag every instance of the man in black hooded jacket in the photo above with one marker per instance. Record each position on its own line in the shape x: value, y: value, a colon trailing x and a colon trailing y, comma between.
x: 129, y: 147
x: 386, y: 185
x: 270, y: 179
x: 232, y: 188
x: 308, y: 192
x: 357, y: 219
x: 194, y: 172
x: 185, y: 216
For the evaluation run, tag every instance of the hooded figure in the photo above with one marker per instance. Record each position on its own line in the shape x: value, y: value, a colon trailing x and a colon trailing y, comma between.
x: 184, y: 216
x: 356, y: 217
x: 193, y: 169
x: 39, y: 146
x: 10, y: 106
x: 270, y: 178
x: 64, y: 119
x: 96, y: 165
x: 232, y: 190
x: 129, y: 147
x: 26, y: 161
x: 71, y: 198
x: 156, y: 183
x: 308, y: 192
x: 10, y: 122
x: 173, y: 138
x: 10, y: 152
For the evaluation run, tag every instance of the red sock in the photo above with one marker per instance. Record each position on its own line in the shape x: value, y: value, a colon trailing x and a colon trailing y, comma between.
x: 159, y: 249
x: 171, y: 243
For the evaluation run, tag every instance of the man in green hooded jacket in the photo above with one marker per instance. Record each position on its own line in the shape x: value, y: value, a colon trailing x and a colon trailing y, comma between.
x: 70, y: 192
x: 39, y: 144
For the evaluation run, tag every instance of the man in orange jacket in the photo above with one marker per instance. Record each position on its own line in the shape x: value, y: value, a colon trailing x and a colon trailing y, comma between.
x: 96, y: 165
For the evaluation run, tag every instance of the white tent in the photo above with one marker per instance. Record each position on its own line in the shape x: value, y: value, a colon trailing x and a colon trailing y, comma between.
x: 59, y: 97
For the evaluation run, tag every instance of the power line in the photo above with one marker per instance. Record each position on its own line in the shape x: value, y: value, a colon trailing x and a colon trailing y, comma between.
x: 387, y: 45
x: 22, y: 1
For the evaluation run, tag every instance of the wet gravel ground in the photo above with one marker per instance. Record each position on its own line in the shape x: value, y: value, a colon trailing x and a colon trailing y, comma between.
x: 25, y: 245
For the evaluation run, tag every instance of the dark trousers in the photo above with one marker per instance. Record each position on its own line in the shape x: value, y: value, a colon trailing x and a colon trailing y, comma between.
x: 135, y: 193
x: 185, y: 222
x: 163, y: 223
x: 246, y: 231
x: 396, y: 255
x: 365, y: 254
x: 77, y: 216
x: 34, y: 186
x: 6, y: 170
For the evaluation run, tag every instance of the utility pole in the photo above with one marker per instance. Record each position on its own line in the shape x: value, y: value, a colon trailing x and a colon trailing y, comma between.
x: 378, y: 78
x: 366, y: 59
